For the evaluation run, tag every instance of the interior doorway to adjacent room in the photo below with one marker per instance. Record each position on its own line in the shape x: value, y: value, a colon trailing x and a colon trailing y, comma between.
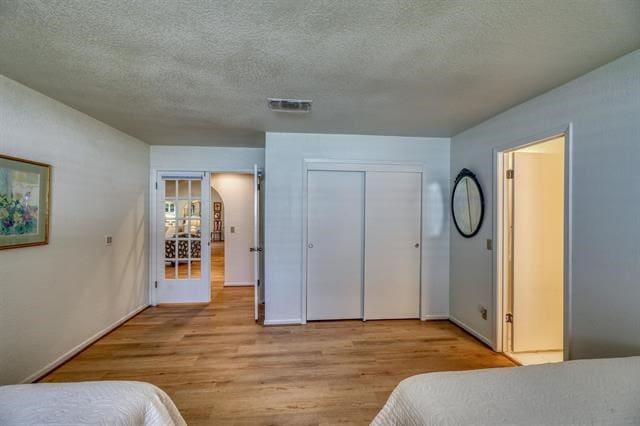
x: 217, y: 241
x: 531, y: 258
x: 235, y: 232
x: 208, y: 237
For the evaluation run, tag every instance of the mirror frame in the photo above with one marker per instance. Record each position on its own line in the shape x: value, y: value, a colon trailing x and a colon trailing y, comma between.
x: 468, y: 173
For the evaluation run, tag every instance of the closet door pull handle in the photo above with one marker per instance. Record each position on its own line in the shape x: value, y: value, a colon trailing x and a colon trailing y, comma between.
x: 416, y: 245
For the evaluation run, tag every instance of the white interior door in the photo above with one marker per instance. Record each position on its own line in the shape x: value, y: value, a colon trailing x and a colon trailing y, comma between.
x: 182, y: 235
x: 392, y: 246
x: 538, y: 251
x: 256, y: 249
x: 335, y: 235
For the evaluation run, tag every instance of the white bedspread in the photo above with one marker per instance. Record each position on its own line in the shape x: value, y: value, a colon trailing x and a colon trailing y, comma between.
x: 84, y: 403
x: 589, y: 392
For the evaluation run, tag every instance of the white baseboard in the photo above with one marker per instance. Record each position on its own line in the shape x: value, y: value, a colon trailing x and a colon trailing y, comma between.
x: 434, y: 317
x: 236, y: 284
x: 471, y: 331
x: 73, y: 352
x: 295, y: 321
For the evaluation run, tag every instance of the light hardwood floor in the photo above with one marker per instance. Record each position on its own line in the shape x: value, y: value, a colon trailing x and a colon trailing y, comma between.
x: 220, y: 367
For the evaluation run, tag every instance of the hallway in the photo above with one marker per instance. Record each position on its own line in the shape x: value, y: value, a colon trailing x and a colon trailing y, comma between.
x: 217, y: 268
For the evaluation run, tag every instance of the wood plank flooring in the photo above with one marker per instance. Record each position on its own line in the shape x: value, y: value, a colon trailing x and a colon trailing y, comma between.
x: 220, y: 367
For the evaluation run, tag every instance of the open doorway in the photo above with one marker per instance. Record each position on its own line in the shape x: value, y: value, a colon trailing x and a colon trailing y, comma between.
x: 217, y: 242
x: 207, y: 237
x: 531, y: 199
x: 233, y: 238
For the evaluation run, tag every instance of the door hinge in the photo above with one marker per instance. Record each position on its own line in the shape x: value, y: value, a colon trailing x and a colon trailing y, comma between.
x: 156, y: 284
x: 508, y: 318
x: 255, y: 249
x: 258, y: 283
x: 156, y: 185
x: 510, y: 173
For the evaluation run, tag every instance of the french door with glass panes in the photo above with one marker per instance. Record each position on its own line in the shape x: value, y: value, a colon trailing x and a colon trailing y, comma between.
x: 183, y: 251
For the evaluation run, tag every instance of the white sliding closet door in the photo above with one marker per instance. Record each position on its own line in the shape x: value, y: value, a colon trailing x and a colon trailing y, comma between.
x: 335, y: 226
x: 392, y: 245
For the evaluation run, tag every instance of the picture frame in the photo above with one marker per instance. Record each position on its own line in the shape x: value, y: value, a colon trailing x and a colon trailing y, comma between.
x: 25, y: 188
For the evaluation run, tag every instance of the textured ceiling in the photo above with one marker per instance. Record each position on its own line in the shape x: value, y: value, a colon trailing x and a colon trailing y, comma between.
x: 199, y: 72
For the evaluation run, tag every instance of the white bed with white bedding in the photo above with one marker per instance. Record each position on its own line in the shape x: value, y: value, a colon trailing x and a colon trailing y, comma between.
x: 588, y: 392
x: 87, y: 403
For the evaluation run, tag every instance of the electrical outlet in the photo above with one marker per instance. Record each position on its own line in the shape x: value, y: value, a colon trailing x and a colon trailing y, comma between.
x: 489, y: 244
x: 232, y: 229
x: 483, y: 312
x: 108, y: 240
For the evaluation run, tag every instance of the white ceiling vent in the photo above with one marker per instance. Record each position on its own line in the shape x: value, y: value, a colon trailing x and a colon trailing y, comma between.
x: 289, y: 105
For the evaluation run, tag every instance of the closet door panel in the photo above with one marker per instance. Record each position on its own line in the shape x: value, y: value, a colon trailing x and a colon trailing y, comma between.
x: 335, y: 226
x: 392, y: 245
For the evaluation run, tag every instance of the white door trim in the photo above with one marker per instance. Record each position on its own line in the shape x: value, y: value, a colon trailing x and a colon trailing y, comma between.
x: 498, y: 334
x: 354, y: 166
x: 153, y: 217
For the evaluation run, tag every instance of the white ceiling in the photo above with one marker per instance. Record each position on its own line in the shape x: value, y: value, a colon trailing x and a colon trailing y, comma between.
x: 199, y: 72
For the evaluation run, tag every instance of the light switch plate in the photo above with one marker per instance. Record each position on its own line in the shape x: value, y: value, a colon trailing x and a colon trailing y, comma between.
x: 108, y: 240
x: 232, y: 229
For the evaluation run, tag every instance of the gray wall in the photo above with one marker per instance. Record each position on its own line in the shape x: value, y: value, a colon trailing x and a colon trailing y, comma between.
x: 604, y: 107
x: 55, y: 297
x: 284, y: 156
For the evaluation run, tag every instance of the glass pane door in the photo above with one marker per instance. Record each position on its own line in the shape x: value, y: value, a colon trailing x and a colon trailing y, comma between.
x: 183, y: 252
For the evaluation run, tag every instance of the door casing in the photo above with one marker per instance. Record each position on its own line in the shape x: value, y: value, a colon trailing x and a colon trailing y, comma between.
x: 500, y: 250
x: 154, y: 218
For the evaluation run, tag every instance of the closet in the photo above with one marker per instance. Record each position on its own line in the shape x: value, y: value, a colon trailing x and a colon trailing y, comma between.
x: 363, y: 242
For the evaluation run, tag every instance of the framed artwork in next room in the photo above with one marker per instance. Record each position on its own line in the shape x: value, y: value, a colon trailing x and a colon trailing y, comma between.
x: 24, y: 202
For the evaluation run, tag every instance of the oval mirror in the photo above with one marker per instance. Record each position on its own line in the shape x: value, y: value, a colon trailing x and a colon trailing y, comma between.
x: 467, y: 204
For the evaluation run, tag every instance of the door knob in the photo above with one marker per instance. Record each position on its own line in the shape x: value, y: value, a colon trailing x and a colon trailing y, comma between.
x: 310, y: 245
x: 416, y: 245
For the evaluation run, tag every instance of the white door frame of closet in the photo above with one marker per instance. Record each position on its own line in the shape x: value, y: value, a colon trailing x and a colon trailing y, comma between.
x: 353, y: 166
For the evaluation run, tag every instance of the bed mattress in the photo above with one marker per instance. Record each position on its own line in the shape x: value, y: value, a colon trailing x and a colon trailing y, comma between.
x: 87, y: 403
x: 587, y: 392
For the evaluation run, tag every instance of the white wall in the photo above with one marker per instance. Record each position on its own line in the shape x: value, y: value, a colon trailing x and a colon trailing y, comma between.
x: 284, y: 156
x: 55, y: 297
x: 206, y: 158
x: 604, y: 107
x: 236, y: 190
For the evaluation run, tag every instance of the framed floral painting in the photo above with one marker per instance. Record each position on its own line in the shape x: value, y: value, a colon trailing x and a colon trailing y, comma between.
x: 24, y: 202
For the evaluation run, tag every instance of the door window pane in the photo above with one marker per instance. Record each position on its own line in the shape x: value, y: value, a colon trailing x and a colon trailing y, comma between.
x: 183, y: 270
x: 196, y: 249
x: 195, y: 188
x: 183, y: 189
x: 184, y: 209
x: 170, y: 189
x: 195, y: 269
x: 170, y: 229
x: 194, y: 228
x: 183, y: 249
x: 170, y: 268
x: 169, y: 209
x: 182, y: 228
